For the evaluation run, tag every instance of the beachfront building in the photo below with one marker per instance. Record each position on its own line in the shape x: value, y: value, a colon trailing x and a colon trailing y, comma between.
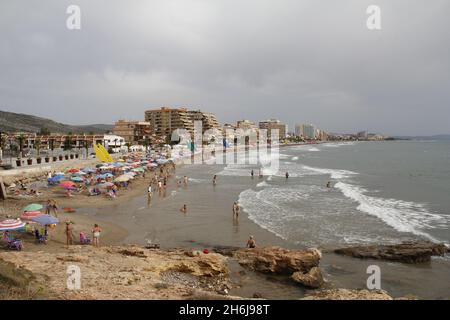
x: 273, y: 124
x: 114, y: 142
x: 307, y: 131
x: 164, y: 121
x: 209, y: 120
x: 133, y: 132
x: 245, y: 124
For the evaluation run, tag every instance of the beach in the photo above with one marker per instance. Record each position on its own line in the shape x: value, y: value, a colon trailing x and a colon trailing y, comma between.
x: 209, y: 224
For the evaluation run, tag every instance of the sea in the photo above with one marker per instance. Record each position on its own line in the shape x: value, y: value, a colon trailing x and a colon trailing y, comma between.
x: 380, y: 192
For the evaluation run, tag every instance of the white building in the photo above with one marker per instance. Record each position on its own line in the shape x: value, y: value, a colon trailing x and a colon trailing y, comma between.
x: 113, y: 141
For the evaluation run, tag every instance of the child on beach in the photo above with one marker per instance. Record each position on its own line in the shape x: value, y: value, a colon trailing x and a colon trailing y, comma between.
x: 96, y: 231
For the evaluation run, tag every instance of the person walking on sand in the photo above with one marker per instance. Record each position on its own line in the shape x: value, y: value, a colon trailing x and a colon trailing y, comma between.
x: 184, y: 209
x: 96, y: 231
x: 69, y: 233
x: 251, y: 243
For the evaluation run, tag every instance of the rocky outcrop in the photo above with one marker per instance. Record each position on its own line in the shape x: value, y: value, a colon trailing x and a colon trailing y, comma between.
x: 123, y: 272
x: 313, y: 279
x: 301, y: 265
x: 346, y: 294
x: 408, y: 252
x: 278, y: 260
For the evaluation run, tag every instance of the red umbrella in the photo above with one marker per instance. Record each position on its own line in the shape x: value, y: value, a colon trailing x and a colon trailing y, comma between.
x: 73, y: 170
x: 30, y: 215
x: 67, y: 184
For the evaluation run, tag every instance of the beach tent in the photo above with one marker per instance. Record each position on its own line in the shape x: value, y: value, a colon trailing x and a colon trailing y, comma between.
x: 30, y: 215
x: 33, y: 207
x: 45, y: 219
x: 11, y: 224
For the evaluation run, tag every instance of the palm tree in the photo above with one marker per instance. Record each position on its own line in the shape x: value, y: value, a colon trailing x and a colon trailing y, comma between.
x: 21, y: 140
x: 37, y: 145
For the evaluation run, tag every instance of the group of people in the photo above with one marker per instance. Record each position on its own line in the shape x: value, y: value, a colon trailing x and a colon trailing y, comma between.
x: 96, y: 232
x: 51, y: 206
x: 160, y: 182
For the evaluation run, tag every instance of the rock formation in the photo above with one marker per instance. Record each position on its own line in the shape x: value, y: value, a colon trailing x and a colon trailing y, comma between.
x: 407, y: 252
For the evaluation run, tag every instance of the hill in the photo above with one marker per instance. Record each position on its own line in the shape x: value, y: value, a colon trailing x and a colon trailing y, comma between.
x: 12, y: 122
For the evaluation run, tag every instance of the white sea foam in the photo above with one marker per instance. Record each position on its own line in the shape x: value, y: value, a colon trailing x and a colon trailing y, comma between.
x: 338, y: 144
x: 262, y: 184
x: 294, y: 158
x: 314, y: 149
x: 334, y: 173
x: 403, y: 216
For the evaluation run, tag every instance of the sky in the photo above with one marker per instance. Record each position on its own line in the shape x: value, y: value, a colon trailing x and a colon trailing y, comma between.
x: 299, y: 61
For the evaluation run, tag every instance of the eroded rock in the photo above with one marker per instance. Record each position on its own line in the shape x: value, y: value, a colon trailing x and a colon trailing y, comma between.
x: 312, y: 279
x: 407, y: 252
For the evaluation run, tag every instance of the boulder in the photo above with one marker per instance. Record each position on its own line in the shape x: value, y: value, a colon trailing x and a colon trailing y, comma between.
x: 312, y: 279
x: 407, y: 252
x: 277, y: 260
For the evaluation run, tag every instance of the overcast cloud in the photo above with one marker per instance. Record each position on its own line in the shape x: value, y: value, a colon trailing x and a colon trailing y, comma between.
x: 299, y: 61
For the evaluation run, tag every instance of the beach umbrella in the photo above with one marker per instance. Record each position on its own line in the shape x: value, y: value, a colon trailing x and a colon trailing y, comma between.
x: 33, y: 207
x: 105, y: 185
x: 67, y: 184
x: 122, y: 178
x: 120, y: 160
x: 77, y: 179
x: 99, y: 165
x: 60, y: 174
x: 73, y: 170
x: 89, y: 170
x: 45, y: 219
x: 30, y: 215
x: 138, y: 170
x: 11, y: 224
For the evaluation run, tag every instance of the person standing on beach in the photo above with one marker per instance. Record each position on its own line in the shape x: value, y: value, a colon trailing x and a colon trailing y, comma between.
x: 252, y: 173
x: 214, y: 180
x: 185, y: 180
x: 159, y: 187
x: 236, y: 210
x: 287, y: 175
x: 96, y: 231
x: 184, y: 209
x: 69, y: 233
x: 54, y: 207
x: 48, y: 207
x: 329, y: 184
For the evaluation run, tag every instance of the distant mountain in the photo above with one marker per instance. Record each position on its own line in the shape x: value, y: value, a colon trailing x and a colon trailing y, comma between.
x: 435, y: 137
x: 12, y: 122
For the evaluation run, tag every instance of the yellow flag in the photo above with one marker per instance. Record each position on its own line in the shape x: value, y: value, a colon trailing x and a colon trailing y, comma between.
x: 102, y: 154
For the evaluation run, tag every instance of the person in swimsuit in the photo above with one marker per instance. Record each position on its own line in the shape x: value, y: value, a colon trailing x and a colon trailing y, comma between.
x: 251, y: 243
x: 184, y: 209
x: 96, y: 231
x: 69, y: 233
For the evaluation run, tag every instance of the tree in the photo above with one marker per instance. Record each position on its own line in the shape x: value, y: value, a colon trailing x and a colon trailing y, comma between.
x: 44, y: 131
x: 21, y: 140
x: 37, y: 145
x: 68, y: 143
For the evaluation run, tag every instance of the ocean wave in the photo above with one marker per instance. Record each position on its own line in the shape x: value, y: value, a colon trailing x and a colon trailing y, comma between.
x: 334, y: 173
x: 313, y: 149
x: 338, y: 144
x: 401, y: 215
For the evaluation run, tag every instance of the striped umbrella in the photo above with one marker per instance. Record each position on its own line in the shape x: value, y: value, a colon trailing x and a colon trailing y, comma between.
x: 11, y: 224
x: 30, y: 215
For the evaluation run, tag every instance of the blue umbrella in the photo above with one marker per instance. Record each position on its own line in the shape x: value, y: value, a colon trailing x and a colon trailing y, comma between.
x: 45, y: 219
